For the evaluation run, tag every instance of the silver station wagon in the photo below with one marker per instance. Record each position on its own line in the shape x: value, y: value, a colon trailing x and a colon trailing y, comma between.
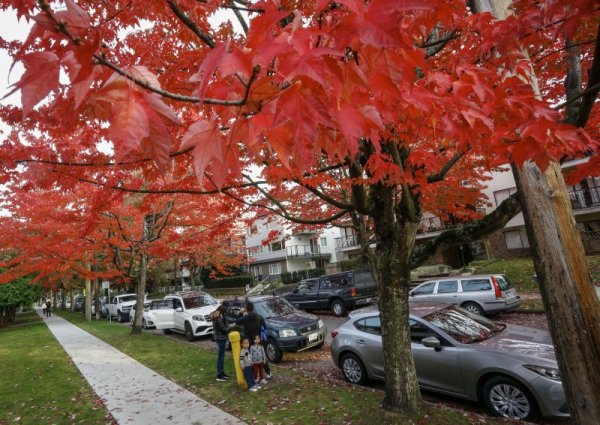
x: 511, y: 369
x: 481, y: 294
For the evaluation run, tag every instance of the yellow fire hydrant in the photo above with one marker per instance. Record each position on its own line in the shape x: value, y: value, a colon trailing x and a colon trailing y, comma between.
x: 234, y: 339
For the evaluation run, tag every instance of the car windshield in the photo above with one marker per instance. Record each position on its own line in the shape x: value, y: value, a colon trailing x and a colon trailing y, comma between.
x: 200, y: 301
x: 273, y: 307
x: 463, y: 326
x: 160, y: 304
x: 128, y: 298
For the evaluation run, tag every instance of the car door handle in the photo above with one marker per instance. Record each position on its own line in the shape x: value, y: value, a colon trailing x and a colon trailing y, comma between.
x: 361, y: 341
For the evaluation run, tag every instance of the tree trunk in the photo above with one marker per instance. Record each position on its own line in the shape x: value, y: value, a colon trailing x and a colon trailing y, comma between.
x: 567, y: 291
x: 88, y: 298
x: 395, y: 241
x: 97, y: 298
x: 141, y: 286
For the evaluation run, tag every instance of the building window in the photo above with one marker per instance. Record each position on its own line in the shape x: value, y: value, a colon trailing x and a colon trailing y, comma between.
x: 323, y: 241
x: 516, y: 239
x: 275, y: 268
x: 277, y: 246
x: 501, y: 195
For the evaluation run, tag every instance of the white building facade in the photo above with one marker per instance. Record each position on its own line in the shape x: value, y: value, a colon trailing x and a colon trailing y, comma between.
x: 273, y: 248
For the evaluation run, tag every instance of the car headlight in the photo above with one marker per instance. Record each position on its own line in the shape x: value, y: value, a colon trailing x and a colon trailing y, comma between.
x: 320, y: 323
x: 285, y: 333
x: 198, y: 318
x: 546, y: 372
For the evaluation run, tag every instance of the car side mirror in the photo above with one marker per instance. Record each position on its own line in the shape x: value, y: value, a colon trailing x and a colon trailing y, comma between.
x: 179, y: 309
x: 412, y: 294
x: 432, y: 342
x: 295, y: 291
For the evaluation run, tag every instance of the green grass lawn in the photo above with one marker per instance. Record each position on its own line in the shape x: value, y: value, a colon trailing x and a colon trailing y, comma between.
x: 38, y: 382
x: 521, y: 270
x: 288, y: 398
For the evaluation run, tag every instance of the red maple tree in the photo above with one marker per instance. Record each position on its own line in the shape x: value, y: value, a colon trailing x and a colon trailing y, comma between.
x: 377, y: 109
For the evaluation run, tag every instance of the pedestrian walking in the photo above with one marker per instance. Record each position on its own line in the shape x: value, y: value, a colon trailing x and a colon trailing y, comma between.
x: 48, y: 308
x: 220, y: 335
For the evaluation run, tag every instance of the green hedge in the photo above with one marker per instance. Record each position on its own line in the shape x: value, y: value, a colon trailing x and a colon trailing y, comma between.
x: 229, y: 282
x: 295, y: 277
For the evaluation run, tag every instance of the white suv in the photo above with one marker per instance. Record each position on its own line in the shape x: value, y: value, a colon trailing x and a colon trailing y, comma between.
x: 191, y: 314
x: 481, y: 294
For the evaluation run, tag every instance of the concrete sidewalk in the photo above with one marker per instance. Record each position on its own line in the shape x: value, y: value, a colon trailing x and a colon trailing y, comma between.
x: 133, y: 393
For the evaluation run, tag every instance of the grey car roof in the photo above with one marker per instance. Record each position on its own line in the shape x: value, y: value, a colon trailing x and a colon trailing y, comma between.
x: 417, y: 308
x: 463, y: 276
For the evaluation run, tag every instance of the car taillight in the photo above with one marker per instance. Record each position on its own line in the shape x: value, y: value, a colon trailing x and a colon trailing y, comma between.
x: 334, y: 333
x: 352, y: 292
x: 496, y: 288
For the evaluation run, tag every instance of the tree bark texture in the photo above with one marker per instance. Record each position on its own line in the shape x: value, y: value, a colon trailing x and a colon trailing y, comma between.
x: 88, y: 298
x: 568, y: 294
x: 141, y: 286
x: 395, y: 242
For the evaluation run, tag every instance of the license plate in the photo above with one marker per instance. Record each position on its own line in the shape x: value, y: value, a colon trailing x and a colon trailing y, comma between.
x: 312, y: 337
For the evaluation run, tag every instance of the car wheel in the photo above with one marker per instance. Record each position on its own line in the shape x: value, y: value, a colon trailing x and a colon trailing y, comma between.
x: 353, y: 369
x: 119, y: 317
x: 338, y: 308
x: 273, y: 352
x: 189, y: 335
x: 166, y: 331
x: 505, y: 397
x: 473, y: 308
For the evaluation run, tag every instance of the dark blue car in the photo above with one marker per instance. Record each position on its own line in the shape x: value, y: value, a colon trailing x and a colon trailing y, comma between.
x: 288, y: 329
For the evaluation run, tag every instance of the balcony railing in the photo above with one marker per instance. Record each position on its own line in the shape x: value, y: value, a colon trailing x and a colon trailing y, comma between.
x: 585, y: 198
x: 302, y: 251
x: 346, y: 242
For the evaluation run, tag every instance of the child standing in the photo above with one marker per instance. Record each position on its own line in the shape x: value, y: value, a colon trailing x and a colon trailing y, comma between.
x: 259, y: 358
x: 246, y: 364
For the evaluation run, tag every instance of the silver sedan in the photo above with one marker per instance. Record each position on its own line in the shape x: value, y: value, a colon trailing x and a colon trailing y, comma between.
x: 511, y: 369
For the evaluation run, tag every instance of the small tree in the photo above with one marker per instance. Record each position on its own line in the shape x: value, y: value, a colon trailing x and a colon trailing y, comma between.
x: 15, y: 294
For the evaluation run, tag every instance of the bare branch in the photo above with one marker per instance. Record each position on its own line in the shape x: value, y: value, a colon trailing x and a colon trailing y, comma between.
x: 183, y: 17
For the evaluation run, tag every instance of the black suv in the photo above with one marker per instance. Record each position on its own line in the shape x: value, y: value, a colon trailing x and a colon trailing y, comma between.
x: 338, y: 292
x: 288, y: 328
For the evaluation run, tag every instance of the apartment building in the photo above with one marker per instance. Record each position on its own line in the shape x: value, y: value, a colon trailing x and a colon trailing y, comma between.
x: 511, y: 241
x: 274, y: 248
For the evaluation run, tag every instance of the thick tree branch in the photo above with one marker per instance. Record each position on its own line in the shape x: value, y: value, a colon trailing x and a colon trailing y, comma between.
x: 572, y: 81
x: 437, y: 177
x: 590, y: 94
x: 238, y: 15
x: 471, y: 231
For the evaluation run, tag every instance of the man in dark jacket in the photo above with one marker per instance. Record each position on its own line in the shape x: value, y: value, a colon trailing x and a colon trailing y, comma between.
x: 251, y: 321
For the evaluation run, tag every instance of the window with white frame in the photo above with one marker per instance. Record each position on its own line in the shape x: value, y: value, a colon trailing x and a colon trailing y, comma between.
x: 516, y: 239
x: 275, y: 268
x: 276, y: 246
x: 323, y: 241
x: 501, y: 195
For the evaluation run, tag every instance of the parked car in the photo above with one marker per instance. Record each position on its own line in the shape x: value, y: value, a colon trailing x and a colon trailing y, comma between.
x: 288, y: 329
x: 511, y: 369
x: 481, y: 294
x: 119, y: 306
x: 190, y: 315
x: 103, y: 308
x: 338, y: 292
x: 78, y: 302
x: 151, y: 310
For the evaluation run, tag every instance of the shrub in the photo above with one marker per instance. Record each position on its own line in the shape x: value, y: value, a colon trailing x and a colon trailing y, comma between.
x: 229, y: 282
